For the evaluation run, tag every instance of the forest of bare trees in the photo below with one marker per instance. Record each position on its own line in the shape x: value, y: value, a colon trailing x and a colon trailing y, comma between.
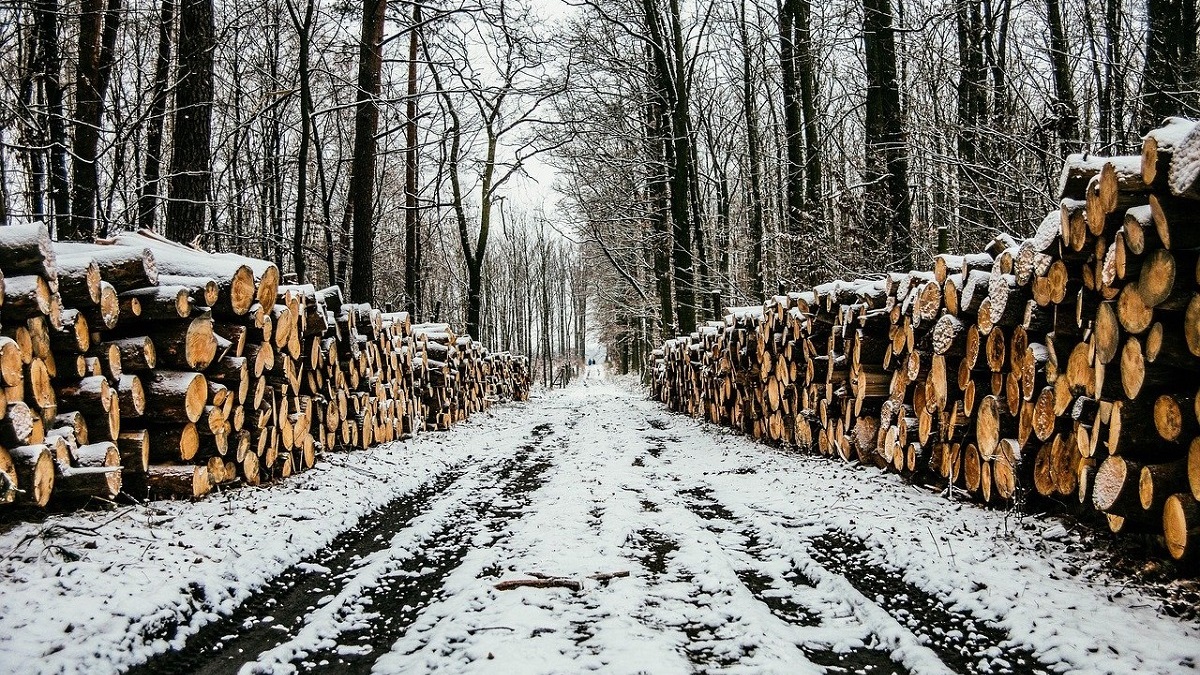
x: 721, y: 151
x: 707, y: 153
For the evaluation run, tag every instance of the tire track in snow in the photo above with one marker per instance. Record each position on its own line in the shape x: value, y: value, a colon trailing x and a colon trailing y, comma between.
x: 778, y: 592
x: 223, y: 645
x: 361, y: 625
x: 392, y: 604
x: 269, y: 617
x: 961, y: 641
x: 964, y: 642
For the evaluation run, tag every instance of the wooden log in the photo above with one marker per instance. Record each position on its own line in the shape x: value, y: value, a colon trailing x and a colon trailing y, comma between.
x: 1117, y: 487
x: 1134, y: 314
x: 173, y: 442
x: 1174, y: 417
x: 163, y: 302
x: 25, y: 297
x: 26, y: 248
x: 1183, y: 178
x: 78, y: 280
x: 107, y: 311
x: 11, y: 362
x: 137, y: 354
x: 235, y: 275
x: 73, y: 337
x: 1175, y: 222
x: 1194, y: 467
x: 35, y: 473
x: 204, y: 290
x: 90, y: 395
x: 1159, y: 481
x: 1130, y: 426
x: 134, y: 448
x: 124, y: 267
x: 176, y: 396
x: 185, y: 481
x: 1077, y: 171
x: 1159, y: 285
x: 131, y: 395
x: 102, y: 482
x: 8, y: 478
x: 187, y: 344
x: 1181, y: 527
x: 1157, y: 147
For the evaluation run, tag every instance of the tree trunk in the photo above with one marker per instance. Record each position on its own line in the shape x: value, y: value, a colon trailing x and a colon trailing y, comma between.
x: 749, y: 109
x: 1065, y: 112
x: 657, y: 207
x: 191, y: 159
x: 97, y: 40
x: 672, y: 77
x: 1170, y: 82
x: 412, y: 239
x: 362, y: 172
x: 47, y: 13
x: 806, y: 68
x: 887, y: 214
x: 792, y: 133
x: 31, y: 135
x: 148, y: 195
x: 304, y: 30
x: 88, y: 109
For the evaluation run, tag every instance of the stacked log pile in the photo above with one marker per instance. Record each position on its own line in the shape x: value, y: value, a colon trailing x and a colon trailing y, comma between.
x: 1059, y: 369
x: 140, y: 365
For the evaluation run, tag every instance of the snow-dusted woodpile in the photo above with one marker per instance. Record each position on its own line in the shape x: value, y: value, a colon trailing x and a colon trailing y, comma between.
x: 1061, y: 367
x: 144, y: 365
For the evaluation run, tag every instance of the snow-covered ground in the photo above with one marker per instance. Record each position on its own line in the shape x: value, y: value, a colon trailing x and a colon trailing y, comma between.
x: 729, y: 556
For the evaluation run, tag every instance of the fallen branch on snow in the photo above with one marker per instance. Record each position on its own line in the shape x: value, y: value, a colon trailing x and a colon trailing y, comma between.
x: 552, y: 582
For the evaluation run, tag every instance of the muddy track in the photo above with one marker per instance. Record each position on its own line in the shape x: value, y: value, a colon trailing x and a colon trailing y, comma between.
x: 964, y: 642
x: 399, y: 597
x: 654, y: 549
x: 776, y: 592
x: 271, y: 615
x: 286, y: 599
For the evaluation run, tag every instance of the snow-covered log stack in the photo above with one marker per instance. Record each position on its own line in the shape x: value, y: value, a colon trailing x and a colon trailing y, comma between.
x: 143, y: 365
x: 1060, y: 368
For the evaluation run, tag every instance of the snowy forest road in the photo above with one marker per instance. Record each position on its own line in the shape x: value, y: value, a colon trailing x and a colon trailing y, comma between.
x: 740, y: 558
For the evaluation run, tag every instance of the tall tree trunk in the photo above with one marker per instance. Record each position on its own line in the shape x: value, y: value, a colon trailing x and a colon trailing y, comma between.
x: 108, y: 51
x: 87, y: 125
x: 806, y: 69
x: 362, y: 172
x: 412, y: 239
x: 191, y: 159
x: 888, y: 210
x: 1065, y: 112
x: 750, y: 109
x: 657, y: 205
x: 31, y: 135
x: 792, y: 132
x: 303, y: 27
x: 681, y: 165
x: 97, y: 34
x: 1114, y: 76
x: 972, y: 115
x: 1170, y: 82
x: 148, y: 194
x: 51, y: 65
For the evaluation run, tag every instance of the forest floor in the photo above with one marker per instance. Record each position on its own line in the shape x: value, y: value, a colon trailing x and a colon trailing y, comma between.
x: 731, y: 557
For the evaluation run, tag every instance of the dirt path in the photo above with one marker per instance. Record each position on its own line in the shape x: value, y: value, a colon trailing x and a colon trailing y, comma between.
x: 717, y: 555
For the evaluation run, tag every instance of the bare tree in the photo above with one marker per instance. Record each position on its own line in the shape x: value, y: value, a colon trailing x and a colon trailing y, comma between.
x: 191, y: 158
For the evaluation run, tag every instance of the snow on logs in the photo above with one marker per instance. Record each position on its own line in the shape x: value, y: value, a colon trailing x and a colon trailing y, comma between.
x: 140, y: 365
x: 1060, y: 369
